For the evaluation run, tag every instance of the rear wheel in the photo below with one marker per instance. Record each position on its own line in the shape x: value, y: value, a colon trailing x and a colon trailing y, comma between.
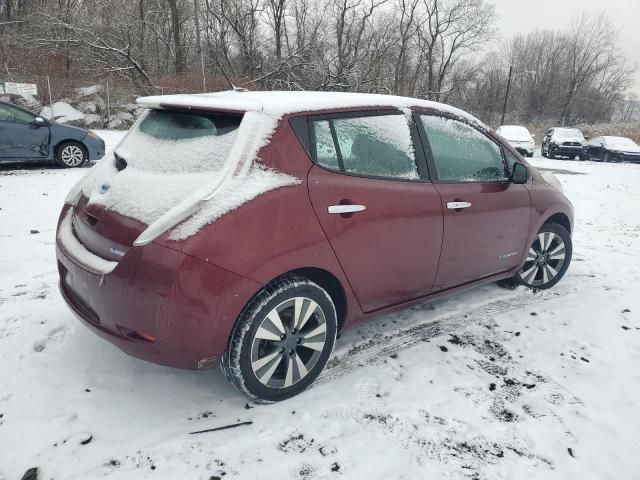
x: 71, y: 155
x: 282, y: 340
x: 548, y: 258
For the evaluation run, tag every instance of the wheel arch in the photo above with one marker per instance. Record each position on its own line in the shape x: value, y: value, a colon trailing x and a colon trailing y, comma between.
x: 330, y: 283
x: 559, y: 219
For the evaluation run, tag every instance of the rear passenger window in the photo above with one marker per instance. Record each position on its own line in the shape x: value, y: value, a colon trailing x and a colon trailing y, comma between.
x: 461, y: 153
x: 378, y: 146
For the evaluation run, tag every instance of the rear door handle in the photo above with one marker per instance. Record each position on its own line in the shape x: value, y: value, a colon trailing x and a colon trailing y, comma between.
x: 458, y: 205
x: 342, y: 209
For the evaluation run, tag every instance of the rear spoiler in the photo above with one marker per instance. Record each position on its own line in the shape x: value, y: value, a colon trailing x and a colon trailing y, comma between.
x: 206, y: 101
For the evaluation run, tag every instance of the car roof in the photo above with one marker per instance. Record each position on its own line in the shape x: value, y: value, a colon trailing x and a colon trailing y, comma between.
x: 285, y: 102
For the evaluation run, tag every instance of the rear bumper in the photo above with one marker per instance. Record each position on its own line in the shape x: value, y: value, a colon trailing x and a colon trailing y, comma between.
x: 158, y: 304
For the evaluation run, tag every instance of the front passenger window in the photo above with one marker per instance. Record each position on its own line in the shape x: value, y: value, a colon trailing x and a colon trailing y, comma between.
x: 15, y: 115
x: 461, y: 153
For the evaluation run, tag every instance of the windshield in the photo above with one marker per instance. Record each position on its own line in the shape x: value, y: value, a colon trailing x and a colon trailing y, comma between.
x: 169, y: 141
x: 568, y: 133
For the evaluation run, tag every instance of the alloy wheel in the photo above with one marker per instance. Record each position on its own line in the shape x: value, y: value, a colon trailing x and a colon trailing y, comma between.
x: 288, y: 343
x: 72, y: 155
x: 545, y: 259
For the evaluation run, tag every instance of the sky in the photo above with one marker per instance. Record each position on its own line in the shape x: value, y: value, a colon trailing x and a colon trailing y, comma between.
x: 527, y: 15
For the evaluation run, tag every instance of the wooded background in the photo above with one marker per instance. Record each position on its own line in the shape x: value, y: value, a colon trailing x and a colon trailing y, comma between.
x: 443, y: 50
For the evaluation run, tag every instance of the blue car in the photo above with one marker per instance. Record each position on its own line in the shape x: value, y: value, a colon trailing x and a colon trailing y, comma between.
x: 27, y: 137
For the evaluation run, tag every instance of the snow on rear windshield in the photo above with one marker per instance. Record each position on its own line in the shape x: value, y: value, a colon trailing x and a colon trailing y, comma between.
x: 176, y: 165
x: 167, y: 142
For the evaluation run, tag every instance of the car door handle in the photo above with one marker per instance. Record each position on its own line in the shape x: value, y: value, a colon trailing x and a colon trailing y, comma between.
x: 342, y: 209
x: 458, y: 205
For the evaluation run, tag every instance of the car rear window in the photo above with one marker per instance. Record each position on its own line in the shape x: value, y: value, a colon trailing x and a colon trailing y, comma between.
x: 172, y: 141
x: 168, y: 125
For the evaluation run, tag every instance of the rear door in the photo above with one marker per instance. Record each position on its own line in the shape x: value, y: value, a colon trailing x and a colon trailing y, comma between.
x: 20, y: 136
x: 371, y: 194
x: 486, y: 217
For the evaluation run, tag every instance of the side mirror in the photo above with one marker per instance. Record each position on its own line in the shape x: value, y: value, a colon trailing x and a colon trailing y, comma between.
x: 39, y: 122
x: 519, y: 174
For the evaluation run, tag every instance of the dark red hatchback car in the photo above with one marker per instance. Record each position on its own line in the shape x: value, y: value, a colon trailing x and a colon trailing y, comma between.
x: 248, y: 228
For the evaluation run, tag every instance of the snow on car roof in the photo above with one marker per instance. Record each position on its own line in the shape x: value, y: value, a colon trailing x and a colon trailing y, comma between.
x: 284, y: 102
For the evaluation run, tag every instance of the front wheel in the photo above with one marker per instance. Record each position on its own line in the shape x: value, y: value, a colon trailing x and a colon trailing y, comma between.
x: 548, y: 258
x: 282, y: 340
x: 71, y: 155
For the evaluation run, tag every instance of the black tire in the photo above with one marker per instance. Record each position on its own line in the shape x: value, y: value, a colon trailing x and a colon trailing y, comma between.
x: 551, y: 154
x: 71, y: 154
x: 555, y: 256
x: 542, y: 152
x: 246, y: 350
x: 530, y: 155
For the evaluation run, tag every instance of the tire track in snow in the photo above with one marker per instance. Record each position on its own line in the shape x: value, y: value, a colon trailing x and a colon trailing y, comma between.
x: 375, y: 349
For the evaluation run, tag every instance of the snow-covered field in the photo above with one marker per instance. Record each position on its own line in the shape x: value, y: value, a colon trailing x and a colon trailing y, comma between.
x: 490, y: 384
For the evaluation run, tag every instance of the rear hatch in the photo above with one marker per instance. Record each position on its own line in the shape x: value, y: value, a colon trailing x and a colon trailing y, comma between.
x: 165, y: 157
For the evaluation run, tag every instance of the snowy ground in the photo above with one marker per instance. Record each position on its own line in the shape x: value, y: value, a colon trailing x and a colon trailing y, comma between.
x: 490, y: 384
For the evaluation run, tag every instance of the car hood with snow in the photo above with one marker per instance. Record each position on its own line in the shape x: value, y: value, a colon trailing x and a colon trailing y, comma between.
x: 515, y: 133
x: 572, y: 135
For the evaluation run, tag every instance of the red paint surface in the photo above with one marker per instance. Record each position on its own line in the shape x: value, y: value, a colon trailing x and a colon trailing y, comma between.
x: 181, y: 299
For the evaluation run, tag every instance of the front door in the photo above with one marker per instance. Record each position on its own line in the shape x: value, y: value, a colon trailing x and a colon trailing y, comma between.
x: 486, y: 217
x: 381, y: 216
x: 20, y: 136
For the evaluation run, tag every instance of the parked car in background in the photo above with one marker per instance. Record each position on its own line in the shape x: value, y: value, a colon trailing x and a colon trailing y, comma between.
x: 26, y: 137
x: 564, y: 142
x: 613, y: 149
x: 248, y: 228
x: 519, y: 137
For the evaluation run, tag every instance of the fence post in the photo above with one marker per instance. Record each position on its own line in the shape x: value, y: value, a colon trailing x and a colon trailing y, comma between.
x: 108, y: 106
x: 53, y: 117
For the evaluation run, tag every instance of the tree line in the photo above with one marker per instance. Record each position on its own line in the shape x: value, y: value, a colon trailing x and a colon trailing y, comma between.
x: 444, y: 50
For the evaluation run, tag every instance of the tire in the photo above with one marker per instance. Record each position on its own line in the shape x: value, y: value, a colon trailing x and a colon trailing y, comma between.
x: 266, y: 361
x: 551, y: 154
x: 530, y: 155
x: 542, y: 152
x: 548, y: 258
x: 71, y: 155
